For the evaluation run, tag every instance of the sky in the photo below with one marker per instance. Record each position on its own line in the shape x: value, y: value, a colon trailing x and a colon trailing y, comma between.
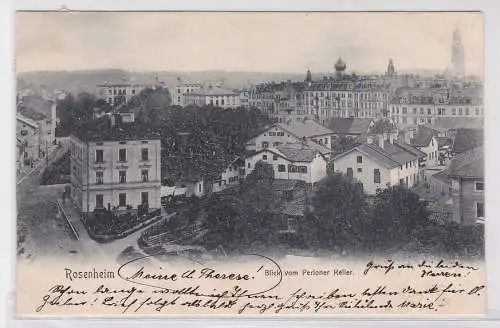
x: 264, y: 42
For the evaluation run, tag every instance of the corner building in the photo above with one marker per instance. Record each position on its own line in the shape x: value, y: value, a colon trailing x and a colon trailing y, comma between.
x: 115, y: 164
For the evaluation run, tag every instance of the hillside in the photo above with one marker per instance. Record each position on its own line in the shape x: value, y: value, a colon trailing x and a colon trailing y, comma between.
x: 87, y: 81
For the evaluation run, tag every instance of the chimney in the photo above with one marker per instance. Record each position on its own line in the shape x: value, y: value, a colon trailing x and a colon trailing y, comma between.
x: 381, y: 141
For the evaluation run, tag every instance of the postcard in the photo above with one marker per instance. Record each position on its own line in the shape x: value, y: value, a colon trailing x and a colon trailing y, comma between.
x: 249, y: 164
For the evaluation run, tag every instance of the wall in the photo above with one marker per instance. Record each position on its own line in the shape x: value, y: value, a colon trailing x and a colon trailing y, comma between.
x: 465, y: 197
x: 83, y: 172
x: 286, y: 138
x: 432, y: 148
x: 366, y: 176
x: 316, y: 169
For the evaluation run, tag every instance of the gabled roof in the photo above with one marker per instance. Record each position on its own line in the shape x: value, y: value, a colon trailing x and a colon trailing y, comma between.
x: 305, y: 128
x: 469, y: 164
x: 349, y: 125
x: 294, y: 152
x: 466, y: 139
x: 391, y: 156
x: 423, y: 136
x: 298, y: 152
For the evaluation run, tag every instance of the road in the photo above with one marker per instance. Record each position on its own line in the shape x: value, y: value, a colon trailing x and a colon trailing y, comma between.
x: 37, y: 220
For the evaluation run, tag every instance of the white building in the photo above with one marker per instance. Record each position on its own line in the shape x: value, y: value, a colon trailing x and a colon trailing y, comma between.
x: 380, y: 163
x: 312, y: 133
x: 117, y: 94
x: 182, y: 88
x: 424, y: 139
x: 214, y: 96
x: 115, y: 164
x: 290, y: 162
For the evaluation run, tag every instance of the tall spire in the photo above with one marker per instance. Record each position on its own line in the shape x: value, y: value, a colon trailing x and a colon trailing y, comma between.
x: 391, y: 71
x: 308, y: 76
x: 457, y: 54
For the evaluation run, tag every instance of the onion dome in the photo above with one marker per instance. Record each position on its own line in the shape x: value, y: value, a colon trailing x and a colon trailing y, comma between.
x: 340, y: 65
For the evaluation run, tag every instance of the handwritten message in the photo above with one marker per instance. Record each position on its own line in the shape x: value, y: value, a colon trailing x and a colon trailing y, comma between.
x: 258, y: 285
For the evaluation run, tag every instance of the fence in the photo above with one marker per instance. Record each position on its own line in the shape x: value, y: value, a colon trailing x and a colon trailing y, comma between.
x: 66, y: 217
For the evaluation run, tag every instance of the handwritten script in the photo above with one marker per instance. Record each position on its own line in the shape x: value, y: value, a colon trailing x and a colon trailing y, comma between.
x: 262, y: 286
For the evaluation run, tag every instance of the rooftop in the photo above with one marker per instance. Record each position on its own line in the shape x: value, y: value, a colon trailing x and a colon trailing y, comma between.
x: 305, y: 128
x: 392, y: 155
x: 348, y: 125
x: 423, y: 136
x: 102, y: 130
x: 298, y: 152
x: 466, y: 139
x: 469, y: 164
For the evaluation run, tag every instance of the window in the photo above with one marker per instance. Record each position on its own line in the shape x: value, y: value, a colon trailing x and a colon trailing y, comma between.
x: 429, y: 111
x: 359, y: 159
x: 349, y: 173
x: 281, y: 168
x: 122, y: 199
x: 326, y: 141
x: 460, y: 111
x: 123, y: 176
x: 275, y: 157
x: 145, y: 154
x: 467, y: 111
x: 265, y: 144
x: 99, y: 156
x: 249, y: 165
x: 99, y: 177
x: 376, y: 175
x: 122, y: 155
x: 24, y: 132
x: 264, y: 157
x: 480, y: 210
x: 479, y: 186
x: 360, y: 170
x: 144, y: 175
x: 272, y: 134
x: 280, y: 134
x: 99, y: 201
x: 144, y: 197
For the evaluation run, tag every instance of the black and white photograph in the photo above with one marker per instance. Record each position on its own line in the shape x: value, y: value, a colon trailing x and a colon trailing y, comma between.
x: 250, y: 163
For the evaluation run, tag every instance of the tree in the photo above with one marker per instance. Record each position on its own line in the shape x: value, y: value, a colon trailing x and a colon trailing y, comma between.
x: 397, y: 214
x: 339, y: 208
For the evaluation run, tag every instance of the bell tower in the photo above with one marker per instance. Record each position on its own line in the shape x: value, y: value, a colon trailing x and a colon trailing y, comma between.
x: 457, y: 54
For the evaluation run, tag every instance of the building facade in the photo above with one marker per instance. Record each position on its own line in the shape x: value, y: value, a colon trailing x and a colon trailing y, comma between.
x: 290, y: 162
x: 380, y: 163
x: 115, y: 169
x: 117, y: 94
x: 213, y: 96
x: 182, y: 88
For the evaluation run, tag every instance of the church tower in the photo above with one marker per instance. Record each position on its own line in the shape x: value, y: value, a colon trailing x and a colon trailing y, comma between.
x: 391, y: 71
x: 308, y: 76
x: 457, y: 54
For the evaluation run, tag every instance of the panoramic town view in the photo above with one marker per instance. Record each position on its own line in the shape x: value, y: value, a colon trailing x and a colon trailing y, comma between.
x: 341, y: 161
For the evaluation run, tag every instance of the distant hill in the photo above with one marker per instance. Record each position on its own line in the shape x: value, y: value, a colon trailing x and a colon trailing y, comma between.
x: 88, y: 80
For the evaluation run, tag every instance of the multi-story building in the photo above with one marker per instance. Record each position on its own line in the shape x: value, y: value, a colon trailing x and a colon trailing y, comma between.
x: 214, y: 96
x: 279, y: 100
x: 466, y: 180
x: 309, y: 132
x: 411, y: 106
x: 379, y: 163
x: 290, y: 162
x: 424, y: 139
x: 370, y: 98
x: 117, y: 94
x: 115, y: 164
x: 28, y: 139
x: 182, y: 88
